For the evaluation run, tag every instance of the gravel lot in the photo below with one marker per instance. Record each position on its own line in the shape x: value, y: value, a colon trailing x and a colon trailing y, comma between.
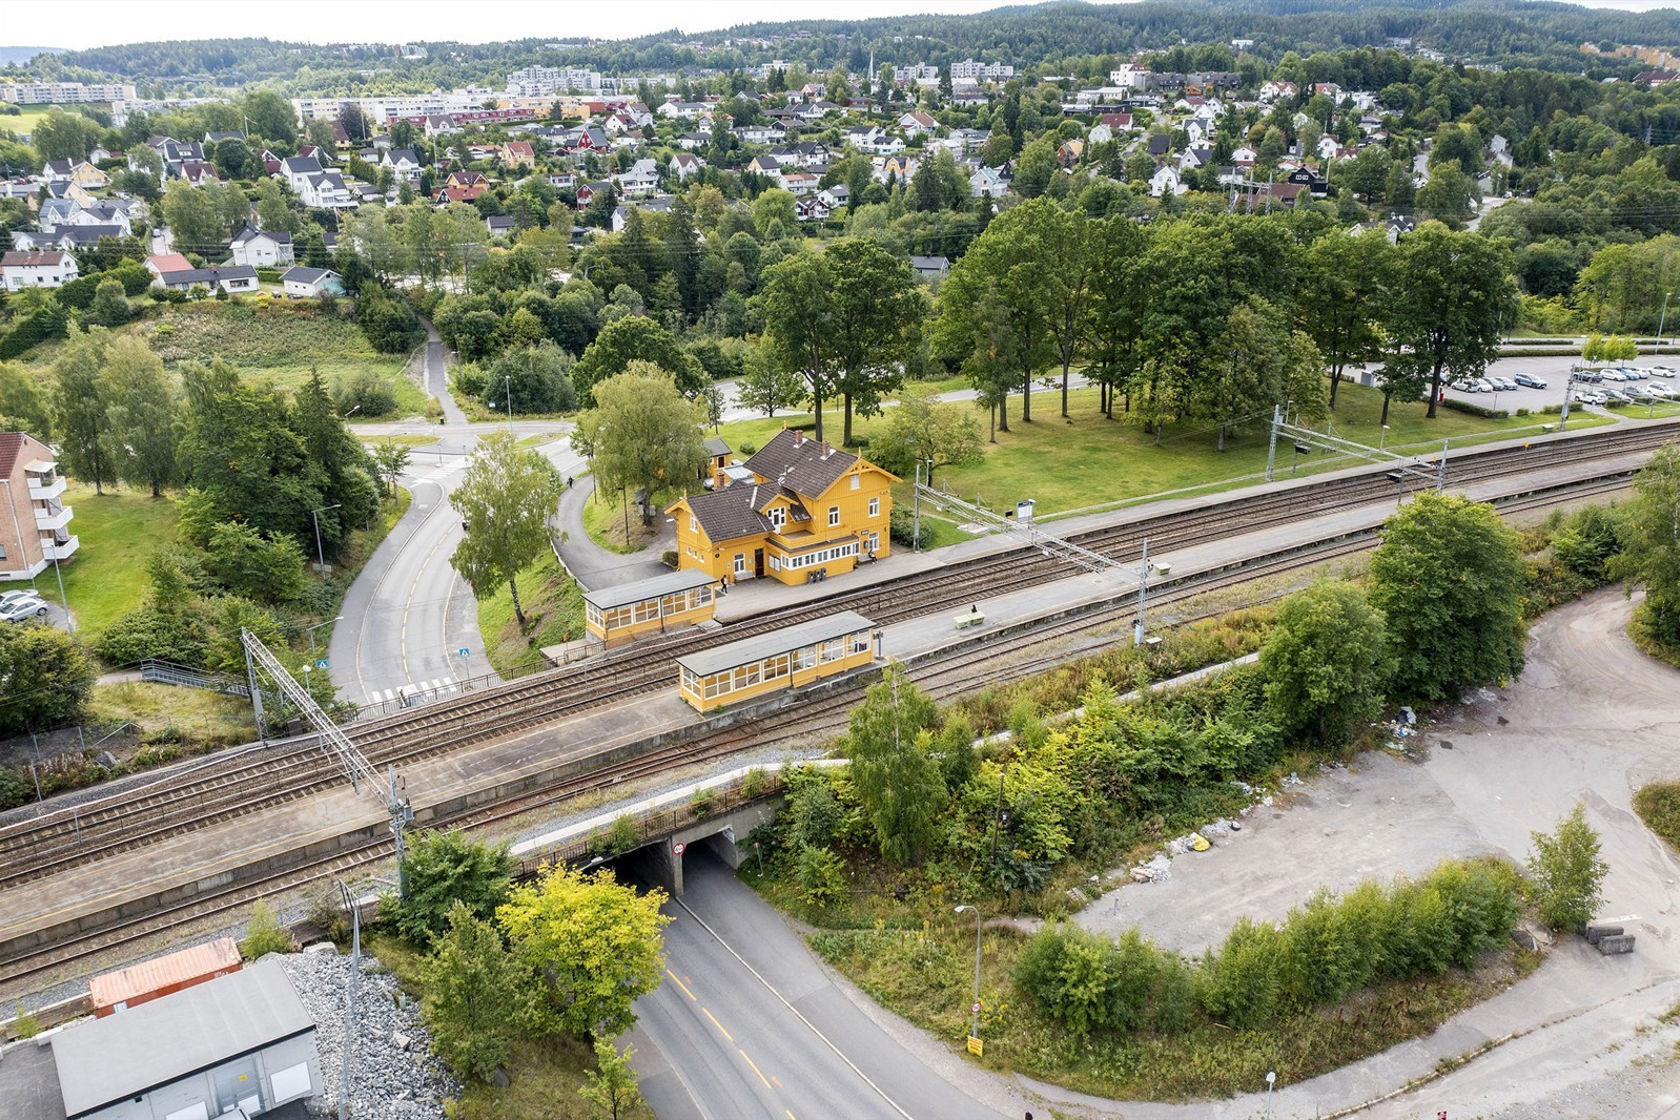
x: 1589, y: 721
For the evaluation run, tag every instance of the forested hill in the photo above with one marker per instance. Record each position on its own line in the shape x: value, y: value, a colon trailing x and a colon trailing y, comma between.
x: 1065, y: 37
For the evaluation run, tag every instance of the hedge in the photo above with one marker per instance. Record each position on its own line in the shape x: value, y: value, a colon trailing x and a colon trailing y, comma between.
x: 1474, y: 409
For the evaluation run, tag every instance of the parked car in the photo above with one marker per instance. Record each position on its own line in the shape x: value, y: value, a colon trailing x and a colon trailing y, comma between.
x: 1590, y: 376
x: 23, y: 608
x: 1591, y: 396
x: 1615, y: 397
x: 1661, y: 391
x: 1481, y: 385
x: 1503, y: 384
x: 1612, y: 374
x: 1529, y: 381
x: 1636, y: 373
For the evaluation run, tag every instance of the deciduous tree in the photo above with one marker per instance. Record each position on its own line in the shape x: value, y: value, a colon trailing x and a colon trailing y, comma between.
x: 797, y: 302
x: 1650, y: 535
x: 1567, y: 872
x: 1449, y: 576
x: 633, y: 338
x: 505, y: 500
x: 474, y: 992
x: 145, y: 415
x: 642, y: 433
x: 82, y: 409
x: 1342, y: 292
x: 591, y: 945
x: 924, y: 430
x: 1326, y: 663
x: 1450, y: 296
x: 45, y: 678
x: 442, y: 870
x: 892, y: 765
x: 878, y: 309
x: 611, y: 1084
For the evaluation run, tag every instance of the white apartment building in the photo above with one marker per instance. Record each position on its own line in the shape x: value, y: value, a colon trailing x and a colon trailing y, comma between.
x: 544, y: 81
x: 62, y: 93
x: 969, y: 70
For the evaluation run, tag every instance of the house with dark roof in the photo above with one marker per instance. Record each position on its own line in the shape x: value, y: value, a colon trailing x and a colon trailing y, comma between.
x: 311, y: 283
x: 262, y: 248
x: 799, y: 510
x: 49, y: 269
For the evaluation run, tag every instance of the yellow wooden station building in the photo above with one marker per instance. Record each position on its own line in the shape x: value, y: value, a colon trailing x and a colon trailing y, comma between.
x: 792, y: 657
x: 797, y: 511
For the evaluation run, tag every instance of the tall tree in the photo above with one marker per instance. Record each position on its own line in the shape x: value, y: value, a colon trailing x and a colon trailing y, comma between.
x: 1450, y: 578
x: 591, y: 946
x: 474, y: 993
x: 1650, y: 535
x: 924, y: 430
x: 1000, y: 292
x: 82, y: 409
x: 642, y: 433
x: 1068, y: 248
x: 145, y: 415
x: 878, y: 311
x: 765, y: 386
x: 1343, y: 289
x: 191, y: 214
x: 1326, y: 663
x: 1451, y: 295
x: 634, y: 338
x: 1118, y: 293
x: 505, y: 500
x: 797, y: 302
x: 892, y: 765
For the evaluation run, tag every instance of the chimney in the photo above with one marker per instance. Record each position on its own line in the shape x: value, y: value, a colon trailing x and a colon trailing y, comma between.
x: 825, y: 449
x: 798, y: 437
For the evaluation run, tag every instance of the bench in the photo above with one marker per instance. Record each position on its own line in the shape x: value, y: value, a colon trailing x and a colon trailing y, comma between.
x: 972, y: 618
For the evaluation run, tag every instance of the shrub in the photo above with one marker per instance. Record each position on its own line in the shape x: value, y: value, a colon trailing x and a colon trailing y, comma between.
x: 821, y: 877
x: 264, y: 934
x: 1087, y: 982
x: 14, y: 788
x: 1474, y: 409
x: 367, y: 394
x: 1566, y: 872
x: 1242, y: 981
x: 25, y: 1025
x: 445, y: 868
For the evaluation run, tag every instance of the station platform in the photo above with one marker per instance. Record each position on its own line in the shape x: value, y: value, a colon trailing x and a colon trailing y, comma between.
x: 87, y: 896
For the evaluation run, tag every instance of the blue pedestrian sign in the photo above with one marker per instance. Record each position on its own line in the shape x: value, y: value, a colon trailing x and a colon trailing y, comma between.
x: 321, y: 664
x: 463, y: 652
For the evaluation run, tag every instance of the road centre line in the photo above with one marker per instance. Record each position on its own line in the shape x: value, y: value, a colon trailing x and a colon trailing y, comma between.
x: 755, y: 1069
x: 719, y: 1026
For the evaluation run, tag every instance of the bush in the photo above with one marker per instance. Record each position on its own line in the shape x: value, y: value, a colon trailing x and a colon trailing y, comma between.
x: 14, y: 788
x: 264, y: 934
x: 1474, y: 409
x: 367, y: 394
x: 901, y: 527
x: 149, y: 632
x: 1087, y: 982
x: 445, y: 868
x: 1566, y: 872
x: 821, y: 877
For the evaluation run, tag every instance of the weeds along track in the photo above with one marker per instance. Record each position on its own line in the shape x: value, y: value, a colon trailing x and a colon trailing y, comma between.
x: 231, y: 785
x: 999, y: 660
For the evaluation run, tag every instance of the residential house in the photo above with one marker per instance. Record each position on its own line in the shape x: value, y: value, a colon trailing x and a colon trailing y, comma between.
x: 836, y: 196
x: 812, y: 208
x: 198, y: 172
x: 640, y: 180
x: 684, y: 165
x: 1244, y: 156
x: 930, y: 268
x: 899, y: 169
x: 262, y: 248
x: 1328, y: 147
x: 439, y: 124
x: 296, y: 170
x: 800, y: 182
x: 561, y: 180
x: 1166, y: 181
x: 657, y: 205
x: 326, y: 190
x: 405, y: 165
x: 682, y: 110
x: 1276, y: 91
x: 814, y: 111
x: 1116, y: 122
x: 500, y: 225
x: 987, y: 182
x: 51, y: 268
x: 517, y: 154
x: 1158, y: 145
x: 694, y: 141
x: 80, y: 172
x: 917, y: 123
x: 311, y: 283
x: 68, y: 239
x: 35, y: 530
x: 1100, y: 134
x: 461, y: 177
x: 1306, y: 177
x: 446, y: 195
x: 1194, y: 159
x: 797, y: 511
x: 231, y: 278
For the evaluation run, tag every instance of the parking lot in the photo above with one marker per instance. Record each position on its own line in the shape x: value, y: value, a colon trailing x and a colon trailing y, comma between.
x: 20, y: 603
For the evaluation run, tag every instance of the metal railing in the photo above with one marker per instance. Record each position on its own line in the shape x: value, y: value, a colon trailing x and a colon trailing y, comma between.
x: 155, y: 671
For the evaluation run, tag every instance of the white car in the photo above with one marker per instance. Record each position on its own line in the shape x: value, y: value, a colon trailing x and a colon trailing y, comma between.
x: 1658, y: 389
x: 1613, y: 374
x: 22, y: 607
x: 1503, y: 384
x: 1481, y: 385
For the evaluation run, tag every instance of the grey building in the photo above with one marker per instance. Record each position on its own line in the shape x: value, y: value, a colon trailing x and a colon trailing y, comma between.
x: 240, y: 1041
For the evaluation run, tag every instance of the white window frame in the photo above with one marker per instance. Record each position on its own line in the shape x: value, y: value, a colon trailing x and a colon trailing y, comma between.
x: 740, y: 563
x: 693, y: 524
x: 857, y: 481
x: 778, y: 517
x: 875, y: 507
x: 833, y: 516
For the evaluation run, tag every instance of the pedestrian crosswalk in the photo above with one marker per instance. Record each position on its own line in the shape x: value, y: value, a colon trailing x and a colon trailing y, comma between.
x: 416, y: 693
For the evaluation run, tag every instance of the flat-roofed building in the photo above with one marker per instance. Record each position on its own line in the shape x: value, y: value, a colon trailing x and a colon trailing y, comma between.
x: 240, y: 1041
x: 682, y: 598
x: 791, y: 657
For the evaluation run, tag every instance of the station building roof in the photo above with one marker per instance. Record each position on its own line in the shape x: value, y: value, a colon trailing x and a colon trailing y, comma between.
x: 155, y: 1044
x: 749, y: 650
x: 654, y: 587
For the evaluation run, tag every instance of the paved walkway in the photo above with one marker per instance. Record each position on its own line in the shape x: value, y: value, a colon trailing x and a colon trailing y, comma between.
x: 589, y: 563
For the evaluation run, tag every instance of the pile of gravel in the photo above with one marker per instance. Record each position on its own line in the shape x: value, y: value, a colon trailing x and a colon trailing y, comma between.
x: 393, y: 1074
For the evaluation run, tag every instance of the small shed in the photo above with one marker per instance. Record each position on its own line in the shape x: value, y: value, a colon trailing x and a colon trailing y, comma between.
x: 240, y: 1041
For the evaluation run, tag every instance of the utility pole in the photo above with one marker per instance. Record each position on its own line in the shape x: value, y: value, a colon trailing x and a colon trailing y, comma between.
x: 1143, y: 593
x: 1662, y: 321
x: 1271, y: 450
x: 320, y: 556
x: 349, y: 1000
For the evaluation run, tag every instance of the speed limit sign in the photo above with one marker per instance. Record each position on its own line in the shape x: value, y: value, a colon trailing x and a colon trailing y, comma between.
x: 678, y: 848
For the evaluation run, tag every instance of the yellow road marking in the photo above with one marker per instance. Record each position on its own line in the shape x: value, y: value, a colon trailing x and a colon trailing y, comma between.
x: 789, y: 1115
x: 749, y: 1062
x: 718, y: 1025
x: 680, y: 984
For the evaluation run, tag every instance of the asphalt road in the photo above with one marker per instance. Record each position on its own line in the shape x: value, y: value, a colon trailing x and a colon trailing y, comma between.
x: 748, y: 1026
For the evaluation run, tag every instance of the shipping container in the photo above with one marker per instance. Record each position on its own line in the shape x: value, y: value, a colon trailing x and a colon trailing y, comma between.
x: 141, y: 983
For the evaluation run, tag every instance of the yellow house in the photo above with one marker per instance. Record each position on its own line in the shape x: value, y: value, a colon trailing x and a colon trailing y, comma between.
x: 798, y: 511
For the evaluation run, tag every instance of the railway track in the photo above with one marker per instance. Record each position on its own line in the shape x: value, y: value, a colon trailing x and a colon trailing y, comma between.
x: 200, y: 797
x: 946, y: 677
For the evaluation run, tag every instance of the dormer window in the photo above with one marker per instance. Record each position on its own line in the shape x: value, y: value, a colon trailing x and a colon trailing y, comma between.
x: 778, y: 517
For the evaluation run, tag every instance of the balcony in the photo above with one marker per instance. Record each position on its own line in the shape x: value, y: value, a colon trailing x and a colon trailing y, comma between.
x: 53, y: 519
x: 61, y: 550
x: 44, y: 489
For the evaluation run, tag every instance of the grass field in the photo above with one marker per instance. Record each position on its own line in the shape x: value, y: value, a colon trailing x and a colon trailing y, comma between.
x: 553, y: 605
x: 118, y: 529
x: 274, y: 340
x: 604, y: 519
x: 194, y: 721
x: 27, y: 119
x: 1087, y: 460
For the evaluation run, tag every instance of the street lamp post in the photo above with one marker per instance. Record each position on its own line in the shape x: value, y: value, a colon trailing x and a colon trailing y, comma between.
x: 1271, y: 1079
x: 1382, y: 436
x: 974, y: 1031
x: 349, y: 998
x: 1663, y: 320
x: 508, y: 378
x: 316, y: 627
x: 320, y: 555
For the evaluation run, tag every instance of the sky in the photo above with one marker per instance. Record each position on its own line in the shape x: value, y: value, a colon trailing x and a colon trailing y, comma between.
x: 76, y: 24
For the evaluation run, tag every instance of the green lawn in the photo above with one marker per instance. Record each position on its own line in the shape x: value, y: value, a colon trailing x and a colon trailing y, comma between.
x: 27, y: 119
x: 118, y: 529
x: 1088, y: 460
x: 605, y: 518
x: 554, y: 607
